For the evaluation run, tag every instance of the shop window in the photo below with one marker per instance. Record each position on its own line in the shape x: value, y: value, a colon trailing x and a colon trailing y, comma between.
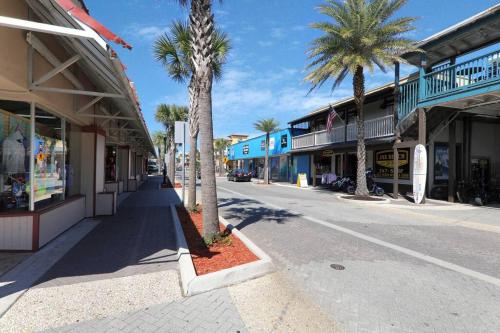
x: 49, y: 158
x: 15, y: 152
x: 111, y: 164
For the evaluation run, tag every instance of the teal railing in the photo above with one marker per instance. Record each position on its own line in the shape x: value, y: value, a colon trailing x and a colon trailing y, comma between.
x: 462, y: 76
x: 449, y: 81
x: 408, y: 98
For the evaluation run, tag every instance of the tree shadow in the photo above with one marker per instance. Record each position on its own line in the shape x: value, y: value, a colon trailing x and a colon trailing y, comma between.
x: 250, y: 211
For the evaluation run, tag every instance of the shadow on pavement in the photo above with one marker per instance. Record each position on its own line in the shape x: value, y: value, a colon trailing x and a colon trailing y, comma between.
x: 250, y: 211
x: 138, y: 239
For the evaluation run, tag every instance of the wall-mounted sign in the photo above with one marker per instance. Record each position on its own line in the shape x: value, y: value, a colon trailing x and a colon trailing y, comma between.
x: 263, y: 145
x: 384, y: 163
x: 284, y: 141
x: 271, y: 143
x: 327, y: 153
x: 246, y: 150
x: 441, y: 160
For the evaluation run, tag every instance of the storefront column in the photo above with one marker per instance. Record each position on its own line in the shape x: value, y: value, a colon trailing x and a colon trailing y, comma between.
x: 93, y: 166
x: 124, y: 166
x: 452, y: 149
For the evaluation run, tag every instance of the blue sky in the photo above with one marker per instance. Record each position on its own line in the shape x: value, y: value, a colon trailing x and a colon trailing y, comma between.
x: 264, y: 74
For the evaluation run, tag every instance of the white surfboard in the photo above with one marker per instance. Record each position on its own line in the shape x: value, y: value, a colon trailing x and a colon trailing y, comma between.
x: 419, y: 173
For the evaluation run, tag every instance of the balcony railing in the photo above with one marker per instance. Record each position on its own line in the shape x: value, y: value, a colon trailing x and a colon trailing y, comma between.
x: 449, y: 80
x: 408, y: 98
x: 374, y: 128
x: 462, y: 76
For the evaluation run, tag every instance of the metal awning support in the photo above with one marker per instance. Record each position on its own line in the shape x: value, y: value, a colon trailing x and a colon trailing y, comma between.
x: 57, y: 70
x: 51, y: 58
x: 14, y: 23
x: 77, y: 92
x: 109, y: 119
x: 89, y: 104
x: 106, y: 117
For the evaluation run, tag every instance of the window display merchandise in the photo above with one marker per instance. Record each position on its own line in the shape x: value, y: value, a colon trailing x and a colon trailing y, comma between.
x: 14, y: 156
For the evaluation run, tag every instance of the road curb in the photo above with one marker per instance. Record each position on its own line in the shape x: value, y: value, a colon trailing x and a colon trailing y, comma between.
x: 193, y: 284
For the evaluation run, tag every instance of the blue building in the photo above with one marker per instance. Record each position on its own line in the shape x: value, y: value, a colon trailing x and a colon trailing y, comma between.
x: 249, y: 155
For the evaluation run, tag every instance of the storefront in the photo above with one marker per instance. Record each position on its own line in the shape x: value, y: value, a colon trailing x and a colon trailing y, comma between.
x: 66, y: 111
x: 250, y: 155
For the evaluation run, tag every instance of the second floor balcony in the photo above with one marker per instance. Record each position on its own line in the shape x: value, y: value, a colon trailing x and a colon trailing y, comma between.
x: 450, y: 83
x: 374, y: 128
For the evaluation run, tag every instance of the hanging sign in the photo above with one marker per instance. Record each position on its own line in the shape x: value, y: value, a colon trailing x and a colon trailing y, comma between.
x: 419, y: 173
x: 302, y: 180
x: 246, y: 150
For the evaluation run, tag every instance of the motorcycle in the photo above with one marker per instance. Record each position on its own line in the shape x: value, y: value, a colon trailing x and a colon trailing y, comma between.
x: 373, y: 188
x: 344, y: 184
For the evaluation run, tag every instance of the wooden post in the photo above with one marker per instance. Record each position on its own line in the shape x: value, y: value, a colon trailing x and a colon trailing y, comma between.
x: 452, y: 149
x: 395, y: 182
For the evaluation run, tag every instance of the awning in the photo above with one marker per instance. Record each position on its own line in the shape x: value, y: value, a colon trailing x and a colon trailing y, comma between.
x: 83, y: 16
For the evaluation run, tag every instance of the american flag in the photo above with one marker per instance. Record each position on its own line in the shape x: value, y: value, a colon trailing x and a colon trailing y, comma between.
x: 329, y: 121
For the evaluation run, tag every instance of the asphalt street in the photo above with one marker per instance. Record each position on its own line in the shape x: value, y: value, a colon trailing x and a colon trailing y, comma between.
x: 405, y: 269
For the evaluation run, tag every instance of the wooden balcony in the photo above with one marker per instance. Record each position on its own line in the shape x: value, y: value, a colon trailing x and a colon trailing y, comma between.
x: 374, y: 128
x: 451, y: 84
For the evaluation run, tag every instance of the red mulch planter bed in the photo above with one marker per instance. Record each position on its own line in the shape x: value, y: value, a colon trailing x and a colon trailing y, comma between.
x: 216, y: 257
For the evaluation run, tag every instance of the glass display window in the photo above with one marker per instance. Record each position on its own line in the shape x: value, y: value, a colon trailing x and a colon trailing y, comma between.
x: 49, y: 156
x: 15, y: 153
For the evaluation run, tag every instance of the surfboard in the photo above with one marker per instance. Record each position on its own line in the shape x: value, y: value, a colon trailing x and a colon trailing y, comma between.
x: 419, y: 173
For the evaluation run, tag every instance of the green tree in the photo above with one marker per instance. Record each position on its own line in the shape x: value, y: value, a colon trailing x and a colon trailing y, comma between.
x: 168, y: 115
x: 267, y: 126
x: 360, y: 34
x: 159, y: 141
x: 220, y: 146
x: 201, y: 25
x: 174, y: 50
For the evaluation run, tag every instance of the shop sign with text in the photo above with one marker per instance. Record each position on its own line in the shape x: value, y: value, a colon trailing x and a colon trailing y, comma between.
x: 384, y: 163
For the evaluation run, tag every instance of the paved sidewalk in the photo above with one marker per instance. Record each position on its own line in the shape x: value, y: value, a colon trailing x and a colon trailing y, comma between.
x: 123, y: 277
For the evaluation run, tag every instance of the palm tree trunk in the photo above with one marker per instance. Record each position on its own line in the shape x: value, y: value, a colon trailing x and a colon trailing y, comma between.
x: 192, y: 172
x: 193, y: 132
x: 266, y: 161
x: 359, y: 99
x: 202, y: 28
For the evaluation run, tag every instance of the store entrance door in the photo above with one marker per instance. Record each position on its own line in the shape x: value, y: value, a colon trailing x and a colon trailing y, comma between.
x: 351, y: 165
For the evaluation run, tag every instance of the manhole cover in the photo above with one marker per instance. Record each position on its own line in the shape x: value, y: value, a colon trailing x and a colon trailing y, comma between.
x: 337, y: 267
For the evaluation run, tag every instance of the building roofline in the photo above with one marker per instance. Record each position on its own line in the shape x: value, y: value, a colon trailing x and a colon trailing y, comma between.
x: 452, y: 29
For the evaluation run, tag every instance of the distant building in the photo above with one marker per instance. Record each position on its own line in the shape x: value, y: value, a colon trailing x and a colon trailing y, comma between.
x: 235, y: 138
x: 249, y: 155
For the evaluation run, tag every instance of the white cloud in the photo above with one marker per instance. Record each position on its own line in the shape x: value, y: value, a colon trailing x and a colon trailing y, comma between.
x: 148, y: 32
x: 265, y: 43
x: 277, y: 33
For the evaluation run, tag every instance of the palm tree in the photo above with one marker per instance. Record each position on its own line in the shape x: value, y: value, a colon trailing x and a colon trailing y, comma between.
x: 174, y: 50
x: 201, y: 25
x: 168, y: 115
x: 158, y: 141
x: 362, y: 35
x: 267, y: 126
x: 220, y: 148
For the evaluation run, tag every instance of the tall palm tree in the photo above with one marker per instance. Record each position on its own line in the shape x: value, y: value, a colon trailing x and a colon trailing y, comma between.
x: 201, y: 25
x: 174, y: 50
x: 168, y: 115
x: 158, y: 141
x: 220, y: 148
x: 267, y: 126
x: 362, y: 34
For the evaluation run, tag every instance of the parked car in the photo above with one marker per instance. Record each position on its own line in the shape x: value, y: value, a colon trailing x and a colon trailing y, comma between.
x: 152, y: 168
x: 239, y: 175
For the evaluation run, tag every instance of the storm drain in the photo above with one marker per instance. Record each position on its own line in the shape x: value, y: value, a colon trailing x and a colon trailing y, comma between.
x: 337, y: 267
